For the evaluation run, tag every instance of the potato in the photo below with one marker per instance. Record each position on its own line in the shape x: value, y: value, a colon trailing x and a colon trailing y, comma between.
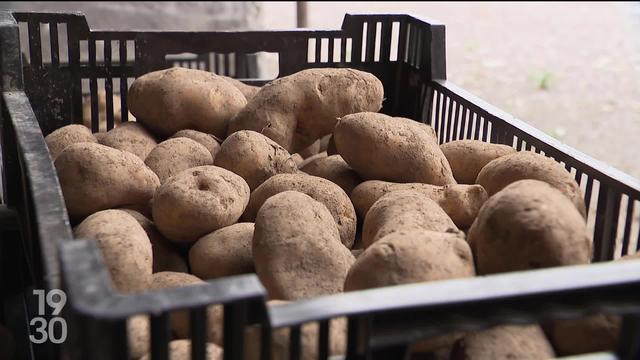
x: 179, y: 320
x: 296, y: 248
x: 224, y: 252
x: 587, y: 335
x: 334, y: 169
x: 311, y: 159
x: 411, y: 256
x: 254, y: 157
x: 95, y: 177
x: 59, y: 139
x: 460, y: 202
x: 198, y: 201
x: 296, y: 110
x: 528, y: 225
x: 181, y: 350
x: 138, y: 336
x: 166, y: 257
x: 169, y: 100
x: 131, y: 137
x: 209, y: 141
x: 249, y: 91
x: 175, y: 155
x: 297, y: 159
x: 404, y: 210
x: 324, y: 191
x: 311, y: 149
x: 324, y: 142
x: 468, y: 157
x: 504, y: 342
x: 102, y: 111
x: 380, y: 147
x: 528, y: 165
x: 125, y: 248
x: 308, y: 337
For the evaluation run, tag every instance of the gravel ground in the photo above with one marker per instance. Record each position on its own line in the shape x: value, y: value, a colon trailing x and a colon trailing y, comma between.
x: 569, y: 69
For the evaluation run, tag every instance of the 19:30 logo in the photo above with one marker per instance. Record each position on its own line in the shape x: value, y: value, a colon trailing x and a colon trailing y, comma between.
x: 54, y: 330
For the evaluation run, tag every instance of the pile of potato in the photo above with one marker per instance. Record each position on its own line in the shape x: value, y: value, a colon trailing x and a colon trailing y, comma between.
x: 304, y: 183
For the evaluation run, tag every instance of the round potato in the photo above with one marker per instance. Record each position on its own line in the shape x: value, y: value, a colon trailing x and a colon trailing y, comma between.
x: 254, y: 157
x: 528, y: 225
x: 224, y: 252
x: 95, y: 177
x: 322, y: 190
x: 297, y: 249
x: 198, y: 201
x: 209, y: 141
x: 460, y: 202
x: 528, y: 165
x: 59, y: 139
x: 138, y: 336
x: 468, y: 157
x: 584, y: 336
x: 406, y: 257
x: 181, y: 350
x: 296, y: 110
x: 170, y: 100
x: 175, y: 155
x: 180, y: 319
x: 166, y: 257
x: 131, y: 137
x: 504, y: 342
x: 125, y: 247
x: 334, y: 169
x: 404, y: 210
x: 381, y: 147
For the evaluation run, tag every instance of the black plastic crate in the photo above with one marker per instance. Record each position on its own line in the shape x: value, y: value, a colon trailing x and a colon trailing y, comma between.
x: 408, y: 55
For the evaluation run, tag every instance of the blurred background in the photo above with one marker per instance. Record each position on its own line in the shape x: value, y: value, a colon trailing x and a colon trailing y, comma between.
x: 570, y: 69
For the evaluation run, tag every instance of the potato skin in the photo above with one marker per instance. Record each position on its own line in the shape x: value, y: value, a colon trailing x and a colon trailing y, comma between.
x: 125, y: 247
x: 296, y: 248
x: 322, y: 190
x: 131, y: 137
x: 529, y: 165
x: 504, y: 343
x: 172, y: 156
x: 166, y: 101
x: 311, y: 159
x: 380, y: 147
x: 296, y: 110
x: 181, y: 350
x: 209, y: 141
x: 528, y: 225
x: 138, y: 336
x: 336, y: 170
x: 460, y: 202
x: 254, y: 157
x: 224, y: 252
x: 468, y: 157
x: 406, y: 257
x: 587, y: 335
x: 249, y: 91
x: 404, y: 210
x: 95, y: 177
x: 59, y: 139
x: 198, y: 201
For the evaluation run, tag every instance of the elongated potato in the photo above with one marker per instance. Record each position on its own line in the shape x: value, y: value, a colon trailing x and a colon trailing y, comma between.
x: 166, y: 101
x: 324, y: 191
x: 95, y: 177
x: 380, y: 147
x: 529, y: 165
x: 468, y: 157
x: 59, y: 139
x: 296, y: 110
x: 224, y: 252
x: 296, y: 248
x: 334, y: 169
x: 179, y: 320
x: 175, y: 155
x: 181, y: 350
x: 209, y: 141
x: 404, y: 210
x: 254, y: 157
x: 586, y: 335
x: 198, y: 201
x: 528, y: 225
x: 411, y: 256
x: 125, y: 247
x: 460, y: 202
x: 504, y: 342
